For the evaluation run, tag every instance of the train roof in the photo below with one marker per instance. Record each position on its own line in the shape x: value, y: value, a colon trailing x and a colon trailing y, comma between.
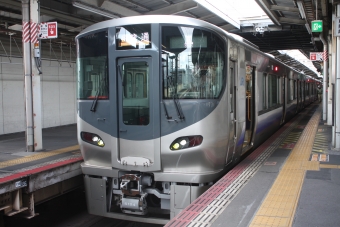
x: 164, y: 19
x: 173, y: 19
x: 148, y: 19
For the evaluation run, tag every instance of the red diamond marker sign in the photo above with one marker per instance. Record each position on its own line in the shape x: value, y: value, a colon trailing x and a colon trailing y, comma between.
x: 48, y: 30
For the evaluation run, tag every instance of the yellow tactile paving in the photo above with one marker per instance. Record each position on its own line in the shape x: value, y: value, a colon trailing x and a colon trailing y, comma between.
x: 278, y: 208
x: 270, y: 221
x: 311, y: 165
x: 327, y: 166
x: 37, y: 156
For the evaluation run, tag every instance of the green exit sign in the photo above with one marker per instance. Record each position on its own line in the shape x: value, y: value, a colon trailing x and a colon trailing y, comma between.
x: 317, y: 26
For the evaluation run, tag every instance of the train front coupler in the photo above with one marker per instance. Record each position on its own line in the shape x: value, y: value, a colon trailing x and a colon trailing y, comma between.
x: 133, y: 199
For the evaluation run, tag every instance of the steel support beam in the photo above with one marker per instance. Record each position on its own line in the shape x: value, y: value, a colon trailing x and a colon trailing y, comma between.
x: 72, y: 19
x: 117, y: 9
x: 267, y: 9
x: 175, y: 8
x: 292, y: 21
x: 282, y: 8
x: 110, y: 7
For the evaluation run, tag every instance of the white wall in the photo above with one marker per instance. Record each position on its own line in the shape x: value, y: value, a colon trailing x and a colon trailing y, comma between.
x: 58, y: 85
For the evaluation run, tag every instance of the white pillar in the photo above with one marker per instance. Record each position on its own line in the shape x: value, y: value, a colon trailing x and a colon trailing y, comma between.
x: 26, y: 46
x: 36, y: 77
x: 325, y: 78
x: 337, y: 88
x: 332, y: 70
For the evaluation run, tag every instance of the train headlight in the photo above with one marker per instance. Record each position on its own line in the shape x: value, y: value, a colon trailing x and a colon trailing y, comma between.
x: 92, y: 139
x: 101, y: 143
x: 175, y: 146
x: 183, y: 142
x: 186, y: 142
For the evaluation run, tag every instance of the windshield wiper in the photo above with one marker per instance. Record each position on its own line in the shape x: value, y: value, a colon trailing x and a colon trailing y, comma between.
x: 101, y: 88
x: 94, y: 103
x: 178, y: 107
x: 166, y: 111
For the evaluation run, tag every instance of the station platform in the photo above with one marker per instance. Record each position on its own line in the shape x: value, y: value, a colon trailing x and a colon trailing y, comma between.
x: 293, y: 179
x: 29, y: 178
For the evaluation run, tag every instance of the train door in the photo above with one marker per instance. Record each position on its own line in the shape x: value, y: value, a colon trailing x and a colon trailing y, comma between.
x: 250, y: 107
x: 138, y: 129
x: 233, y: 112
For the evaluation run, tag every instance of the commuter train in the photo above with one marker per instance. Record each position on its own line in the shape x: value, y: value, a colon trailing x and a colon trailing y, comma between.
x: 166, y: 105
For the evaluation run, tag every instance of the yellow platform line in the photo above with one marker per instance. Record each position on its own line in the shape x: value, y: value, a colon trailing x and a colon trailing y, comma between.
x: 279, y: 206
x: 37, y: 156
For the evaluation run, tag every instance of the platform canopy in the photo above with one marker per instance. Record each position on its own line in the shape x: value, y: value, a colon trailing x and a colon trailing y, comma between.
x: 282, y: 24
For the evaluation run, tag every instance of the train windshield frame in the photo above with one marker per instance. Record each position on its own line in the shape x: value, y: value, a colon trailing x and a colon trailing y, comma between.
x: 193, y: 61
x: 92, y: 66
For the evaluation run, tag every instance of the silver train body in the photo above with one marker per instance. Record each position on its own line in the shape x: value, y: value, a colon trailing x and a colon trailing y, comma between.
x: 166, y: 105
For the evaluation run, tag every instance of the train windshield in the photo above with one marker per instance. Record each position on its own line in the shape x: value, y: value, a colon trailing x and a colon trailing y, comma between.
x: 133, y: 37
x: 93, y: 81
x: 192, y: 62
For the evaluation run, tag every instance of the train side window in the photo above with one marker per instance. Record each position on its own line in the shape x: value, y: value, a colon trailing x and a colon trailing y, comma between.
x: 273, y: 90
x: 294, y: 89
x: 231, y: 89
x: 307, y: 89
x: 280, y: 85
x: 93, y: 79
x: 265, y: 92
x: 290, y: 90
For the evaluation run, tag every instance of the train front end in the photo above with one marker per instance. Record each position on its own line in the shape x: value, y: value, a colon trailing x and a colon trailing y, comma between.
x: 151, y: 122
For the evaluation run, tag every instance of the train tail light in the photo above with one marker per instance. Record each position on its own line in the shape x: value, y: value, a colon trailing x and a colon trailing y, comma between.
x: 276, y: 68
x: 186, y: 142
x: 92, y: 139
